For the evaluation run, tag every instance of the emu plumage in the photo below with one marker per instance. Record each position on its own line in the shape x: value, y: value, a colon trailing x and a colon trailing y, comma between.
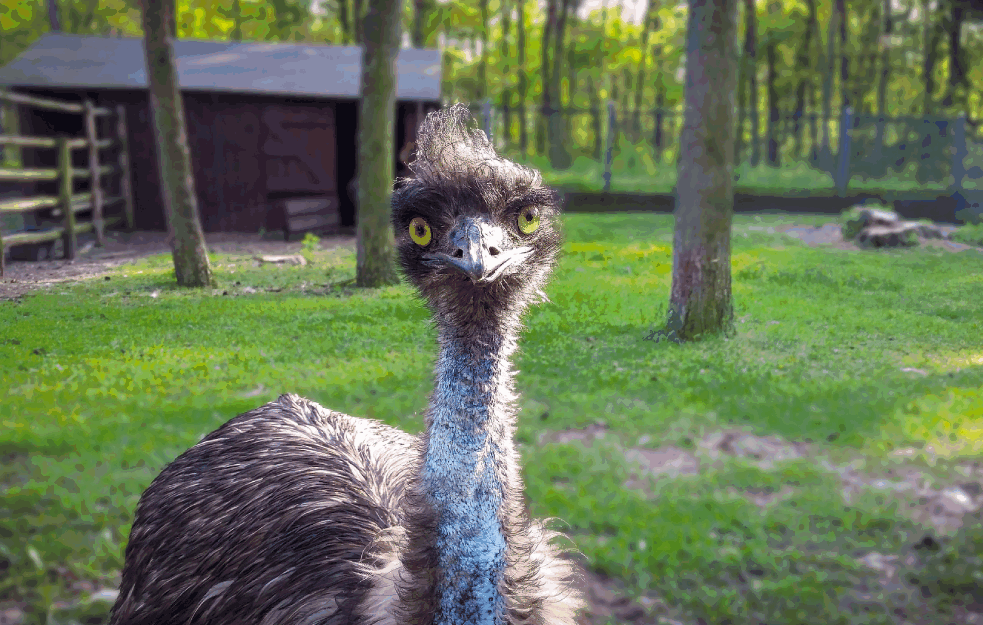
x: 293, y: 514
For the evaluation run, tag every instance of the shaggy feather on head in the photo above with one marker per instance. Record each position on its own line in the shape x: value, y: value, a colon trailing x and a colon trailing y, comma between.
x: 476, y: 233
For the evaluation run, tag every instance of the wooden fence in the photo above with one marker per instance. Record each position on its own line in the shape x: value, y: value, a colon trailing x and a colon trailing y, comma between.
x: 68, y: 207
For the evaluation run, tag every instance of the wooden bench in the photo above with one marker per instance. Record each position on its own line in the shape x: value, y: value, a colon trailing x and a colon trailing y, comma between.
x: 309, y: 213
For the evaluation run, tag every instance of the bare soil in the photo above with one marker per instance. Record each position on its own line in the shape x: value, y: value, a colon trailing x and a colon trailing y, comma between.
x: 21, y: 277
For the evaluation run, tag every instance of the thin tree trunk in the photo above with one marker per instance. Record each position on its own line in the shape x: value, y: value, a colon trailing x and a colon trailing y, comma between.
x: 933, y: 33
x: 649, y: 23
x: 358, y: 18
x: 773, y: 112
x: 595, y: 116
x: 547, y: 82
x: 660, y: 102
x: 751, y: 54
x: 174, y: 157
x: 507, y: 67
x: 803, y: 67
x: 523, y: 78
x: 828, y: 81
x: 375, y: 262
x: 418, y: 10
x: 483, y: 58
x: 54, y: 21
x: 883, y: 79
x: 844, y: 57
x: 559, y: 157
x: 236, y: 34
x: 957, y: 75
x: 345, y: 21
x: 700, y: 301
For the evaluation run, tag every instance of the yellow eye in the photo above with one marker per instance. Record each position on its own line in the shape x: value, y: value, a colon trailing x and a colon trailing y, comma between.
x: 528, y: 220
x: 420, y: 231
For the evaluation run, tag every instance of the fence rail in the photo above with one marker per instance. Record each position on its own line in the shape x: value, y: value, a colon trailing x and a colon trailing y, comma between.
x: 68, y: 207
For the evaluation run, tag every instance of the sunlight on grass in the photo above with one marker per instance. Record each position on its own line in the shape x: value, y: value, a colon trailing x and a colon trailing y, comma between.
x: 106, y: 381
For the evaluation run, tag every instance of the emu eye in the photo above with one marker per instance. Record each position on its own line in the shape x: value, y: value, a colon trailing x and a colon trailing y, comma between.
x: 528, y: 220
x: 420, y: 231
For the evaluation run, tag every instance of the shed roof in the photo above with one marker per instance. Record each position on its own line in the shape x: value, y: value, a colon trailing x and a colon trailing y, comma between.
x: 64, y: 61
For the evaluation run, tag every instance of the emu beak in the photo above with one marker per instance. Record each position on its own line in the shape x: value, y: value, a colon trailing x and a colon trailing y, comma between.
x: 479, y: 251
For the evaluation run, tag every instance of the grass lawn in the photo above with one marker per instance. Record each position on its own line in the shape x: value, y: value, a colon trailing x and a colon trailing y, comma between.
x: 871, y: 361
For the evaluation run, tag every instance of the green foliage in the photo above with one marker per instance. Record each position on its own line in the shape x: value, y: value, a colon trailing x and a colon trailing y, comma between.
x: 970, y: 234
x: 309, y: 246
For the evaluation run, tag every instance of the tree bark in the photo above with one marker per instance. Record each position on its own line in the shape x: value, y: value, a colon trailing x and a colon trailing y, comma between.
x: 957, y: 73
x: 54, y: 21
x: 844, y: 57
x: 507, y: 72
x: 191, y: 266
x: 358, y: 19
x: 933, y: 34
x: 418, y: 10
x: 700, y: 302
x: 559, y: 157
x: 648, y: 24
x: 883, y: 80
x: 751, y: 65
x: 803, y: 67
x: 483, y: 57
x: 523, y: 77
x: 828, y: 80
x: 773, y: 112
x: 547, y: 83
x: 375, y: 262
x: 345, y: 21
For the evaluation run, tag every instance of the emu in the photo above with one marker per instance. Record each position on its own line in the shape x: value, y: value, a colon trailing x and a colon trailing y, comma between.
x: 293, y: 514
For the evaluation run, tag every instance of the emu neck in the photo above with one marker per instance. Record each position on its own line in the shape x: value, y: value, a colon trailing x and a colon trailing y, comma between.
x: 469, y: 465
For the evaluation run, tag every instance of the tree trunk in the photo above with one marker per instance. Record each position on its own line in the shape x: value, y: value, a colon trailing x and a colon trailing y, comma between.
x: 547, y: 83
x: 700, y: 302
x: 180, y: 203
x: 54, y: 22
x: 345, y: 22
x: 236, y: 34
x: 933, y: 33
x: 358, y: 18
x: 803, y: 67
x: 595, y: 116
x: 883, y: 80
x: 418, y: 10
x: 751, y: 60
x: 773, y: 112
x: 523, y: 78
x: 957, y: 73
x: 828, y: 80
x: 507, y: 72
x: 559, y: 156
x: 649, y: 22
x: 375, y: 263
x: 844, y: 57
x: 483, y: 58
x: 658, y: 137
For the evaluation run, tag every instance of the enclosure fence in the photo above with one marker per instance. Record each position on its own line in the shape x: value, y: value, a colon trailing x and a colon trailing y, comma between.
x: 944, y: 152
x: 67, y: 214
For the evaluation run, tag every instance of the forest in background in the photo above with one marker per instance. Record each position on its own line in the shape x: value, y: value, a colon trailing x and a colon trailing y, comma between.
x: 803, y: 61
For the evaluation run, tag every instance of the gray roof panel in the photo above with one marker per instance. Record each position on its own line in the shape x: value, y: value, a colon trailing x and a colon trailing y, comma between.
x: 67, y: 61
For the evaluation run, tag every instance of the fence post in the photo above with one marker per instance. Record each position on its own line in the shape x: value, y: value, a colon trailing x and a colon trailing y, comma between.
x: 486, y: 115
x: 843, y: 166
x: 65, y: 197
x: 958, y: 153
x: 95, y: 186
x: 125, y: 189
x: 609, y: 145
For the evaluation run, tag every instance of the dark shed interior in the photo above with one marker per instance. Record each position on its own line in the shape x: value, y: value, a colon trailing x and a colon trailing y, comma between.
x: 248, y: 149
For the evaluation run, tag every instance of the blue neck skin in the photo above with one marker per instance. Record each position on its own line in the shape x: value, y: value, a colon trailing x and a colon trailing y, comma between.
x: 468, y: 466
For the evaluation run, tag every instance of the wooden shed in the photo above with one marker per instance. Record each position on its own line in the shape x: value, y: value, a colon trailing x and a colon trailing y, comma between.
x: 266, y: 121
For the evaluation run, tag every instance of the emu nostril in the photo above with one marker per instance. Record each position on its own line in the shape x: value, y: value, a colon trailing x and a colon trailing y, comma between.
x: 494, y: 251
x: 459, y: 253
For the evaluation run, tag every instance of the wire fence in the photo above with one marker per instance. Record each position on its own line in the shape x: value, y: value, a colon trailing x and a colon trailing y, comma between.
x: 942, y: 153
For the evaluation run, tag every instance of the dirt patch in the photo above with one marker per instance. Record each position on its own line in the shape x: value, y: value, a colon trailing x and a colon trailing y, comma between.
x: 831, y: 235
x: 21, y: 277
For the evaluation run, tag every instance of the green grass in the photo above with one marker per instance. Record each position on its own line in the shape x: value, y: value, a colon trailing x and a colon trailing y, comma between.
x: 106, y: 381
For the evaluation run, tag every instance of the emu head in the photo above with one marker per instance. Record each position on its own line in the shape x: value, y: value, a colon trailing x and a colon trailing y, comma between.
x: 477, y: 234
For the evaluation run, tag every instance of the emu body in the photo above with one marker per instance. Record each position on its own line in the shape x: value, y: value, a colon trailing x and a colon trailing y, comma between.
x: 292, y: 514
